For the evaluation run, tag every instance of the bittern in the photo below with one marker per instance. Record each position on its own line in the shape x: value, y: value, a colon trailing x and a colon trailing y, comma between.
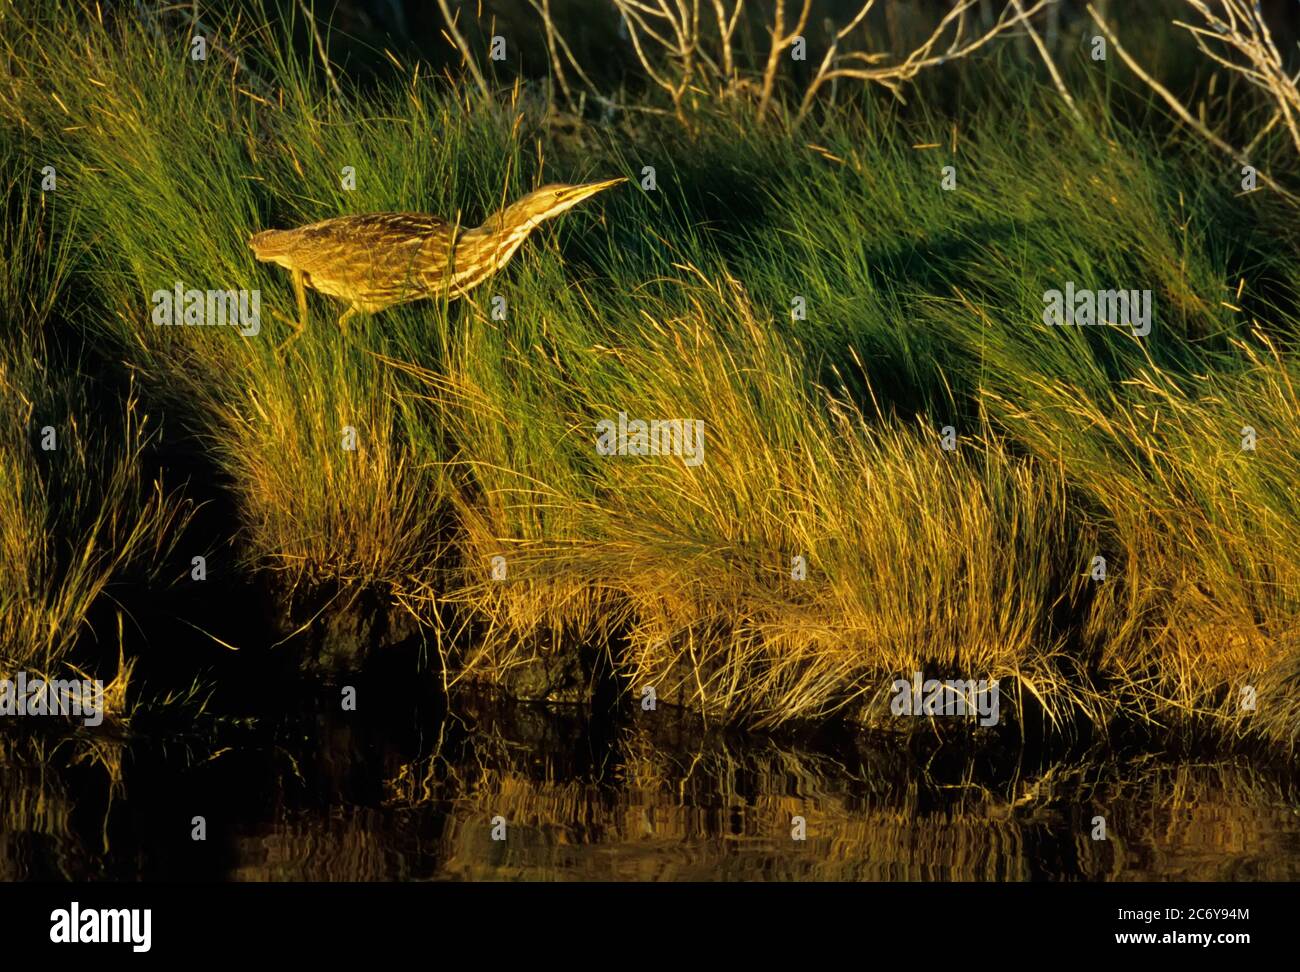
x: 380, y: 259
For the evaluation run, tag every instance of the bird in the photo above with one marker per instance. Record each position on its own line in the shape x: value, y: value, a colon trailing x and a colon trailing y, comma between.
x: 376, y: 260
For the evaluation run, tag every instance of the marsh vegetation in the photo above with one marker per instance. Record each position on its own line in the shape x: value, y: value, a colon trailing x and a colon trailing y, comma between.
x: 839, y: 286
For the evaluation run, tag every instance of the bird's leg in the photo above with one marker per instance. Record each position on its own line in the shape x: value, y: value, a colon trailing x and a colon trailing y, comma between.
x: 300, y: 292
x: 300, y: 324
x: 344, y: 317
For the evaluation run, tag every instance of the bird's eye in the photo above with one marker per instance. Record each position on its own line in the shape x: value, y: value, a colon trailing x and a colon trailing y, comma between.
x: 559, y: 193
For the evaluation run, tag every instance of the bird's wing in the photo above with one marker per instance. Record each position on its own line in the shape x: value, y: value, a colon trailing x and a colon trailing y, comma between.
x: 348, y: 245
x: 374, y: 228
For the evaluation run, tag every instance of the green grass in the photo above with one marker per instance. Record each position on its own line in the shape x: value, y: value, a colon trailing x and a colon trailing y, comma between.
x: 476, y: 436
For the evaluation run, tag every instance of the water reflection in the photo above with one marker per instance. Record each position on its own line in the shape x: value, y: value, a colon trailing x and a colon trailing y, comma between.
x: 336, y: 798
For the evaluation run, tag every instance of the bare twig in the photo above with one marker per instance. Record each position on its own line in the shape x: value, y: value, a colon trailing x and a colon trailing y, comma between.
x: 861, y: 64
x: 1241, y: 30
x: 543, y: 8
x: 780, y: 41
x: 1047, y: 58
x: 1177, y: 107
x: 726, y: 30
x: 828, y: 61
x: 674, y: 27
x: 577, y: 68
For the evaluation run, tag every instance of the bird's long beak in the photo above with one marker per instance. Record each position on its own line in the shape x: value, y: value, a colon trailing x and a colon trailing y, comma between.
x: 591, y: 188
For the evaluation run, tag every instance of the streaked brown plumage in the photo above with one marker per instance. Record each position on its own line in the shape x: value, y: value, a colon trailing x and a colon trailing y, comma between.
x: 381, y: 259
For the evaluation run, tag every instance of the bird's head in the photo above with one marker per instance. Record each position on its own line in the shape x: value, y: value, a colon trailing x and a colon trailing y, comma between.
x: 548, y: 201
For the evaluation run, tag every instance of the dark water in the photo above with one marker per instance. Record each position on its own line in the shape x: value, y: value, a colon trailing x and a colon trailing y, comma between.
x: 412, y: 796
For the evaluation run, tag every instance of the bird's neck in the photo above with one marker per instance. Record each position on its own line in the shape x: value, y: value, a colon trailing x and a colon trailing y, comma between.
x: 489, y: 244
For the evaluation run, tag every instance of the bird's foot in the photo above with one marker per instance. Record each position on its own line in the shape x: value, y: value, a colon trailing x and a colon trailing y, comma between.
x: 298, y: 328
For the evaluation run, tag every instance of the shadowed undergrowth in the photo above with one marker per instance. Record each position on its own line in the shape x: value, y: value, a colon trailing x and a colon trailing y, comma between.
x: 78, y: 513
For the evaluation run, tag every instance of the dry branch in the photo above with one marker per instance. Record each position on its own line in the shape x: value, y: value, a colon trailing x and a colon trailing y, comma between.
x: 860, y: 65
x: 1178, y: 108
x: 780, y: 41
